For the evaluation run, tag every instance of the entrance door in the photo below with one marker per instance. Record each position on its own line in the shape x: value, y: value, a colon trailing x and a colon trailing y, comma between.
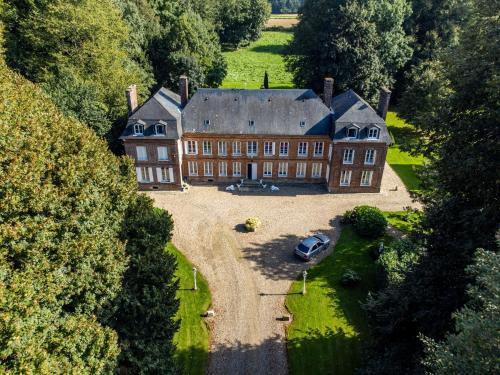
x: 252, y: 171
x: 249, y: 171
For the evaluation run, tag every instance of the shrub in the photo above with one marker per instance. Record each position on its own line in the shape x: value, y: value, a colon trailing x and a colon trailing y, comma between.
x: 367, y: 221
x: 350, y: 278
x: 252, y: 223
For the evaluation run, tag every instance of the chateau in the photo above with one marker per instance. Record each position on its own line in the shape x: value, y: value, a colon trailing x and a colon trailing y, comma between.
x: 279, y: 136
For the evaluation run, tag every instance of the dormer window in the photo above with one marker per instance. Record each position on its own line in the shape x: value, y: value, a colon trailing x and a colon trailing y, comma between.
x: 352, y: 132
x: 373, y: 132
x: 206, y: 123
x: 161, y: 128
x: 251, y: 123
x: 138, y: 129
x: 302, y: 124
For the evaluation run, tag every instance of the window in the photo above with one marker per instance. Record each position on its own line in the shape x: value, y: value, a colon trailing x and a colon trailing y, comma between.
x: 191, y: 147
x: 251, y: 123
x: 206, y: 123
x: 352, y: 132
x: 236, y: 169
x: 366, y: 178
x: 302, y: 150
x: 301, y: 170
x: 345, y: 178
x: 373, y: 132
x: 162, y: 153
x: 268, y: 148
x: 236, y: 148
x: 222, y: 146
x: 316, y: 170
x: 252, y: 148
x: 208, y: 169
x: 283, y: 169
x: 160, y: 129
x: 193, y: 168
x: 223, y: 168
x: 141, y: 153
x: 207, y: 147
x: 302, y: 124
x: 370, y: 157
x: 318, y: 148
x: 348, y: 156
x: 143, y: 174
x: 138, y: 129
x: 165, y: 175
x: 268, y: 169
x: 283, y: 148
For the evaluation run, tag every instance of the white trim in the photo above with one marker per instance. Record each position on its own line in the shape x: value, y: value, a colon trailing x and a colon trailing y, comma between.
x: 223, y: 171
x: 345, y: 177
x: 236, y: 163
x: 165, y: 154
x: 209, y: 172
x: 366, y: 178
x: 316, y: 171
x: 141, y: 156
x: 267, y: 172
x: 150, y: 172
x: 302, y: 169
x: 315, y: 148
x: 348, y: 157
x: 138, y: 174
x: 192, y: 168
x: 304, y: 154
x: 171, y: 174
x: 282, y: 173
x: 367, y: 162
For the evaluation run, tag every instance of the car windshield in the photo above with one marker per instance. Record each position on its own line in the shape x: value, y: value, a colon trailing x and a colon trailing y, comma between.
x: 303, y: 248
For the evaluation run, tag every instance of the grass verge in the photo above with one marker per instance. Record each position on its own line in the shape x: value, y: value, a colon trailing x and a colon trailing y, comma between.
x: 247, y: 65
x: 191, y: 340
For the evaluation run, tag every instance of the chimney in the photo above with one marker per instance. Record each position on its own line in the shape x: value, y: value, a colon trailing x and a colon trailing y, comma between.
x: 184, y: 89
x: 383, y: 102
x: 328, y: 91
x: 131, y: 94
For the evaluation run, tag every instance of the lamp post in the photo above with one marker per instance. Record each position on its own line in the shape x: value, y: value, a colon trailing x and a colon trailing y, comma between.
x: 194, y: 275
x: 304, y: 273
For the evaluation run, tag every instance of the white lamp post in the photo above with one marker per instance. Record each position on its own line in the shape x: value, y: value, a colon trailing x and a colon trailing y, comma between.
x: 304, y: 285
x: 194, y: 275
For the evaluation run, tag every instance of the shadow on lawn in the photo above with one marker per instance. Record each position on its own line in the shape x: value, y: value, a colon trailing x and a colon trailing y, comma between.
x: 408, y: 173
x: 276, y: 49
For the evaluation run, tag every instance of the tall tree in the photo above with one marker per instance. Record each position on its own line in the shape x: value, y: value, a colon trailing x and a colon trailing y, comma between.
x: 361, y: 43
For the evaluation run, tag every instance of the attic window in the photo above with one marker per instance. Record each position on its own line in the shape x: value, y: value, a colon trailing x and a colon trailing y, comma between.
x: 138, y: 129
x: 206, y: 122
x: 160, y: 129
x: 352, y: 132
x: 373, y: 133
x: 251, y: 123
x: 302, y: 124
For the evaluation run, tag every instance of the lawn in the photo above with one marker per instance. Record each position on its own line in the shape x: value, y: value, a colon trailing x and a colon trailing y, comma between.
x: 404, y: 164
x: 192, y: 338
x: 329, y: 327
x: 246, y: 66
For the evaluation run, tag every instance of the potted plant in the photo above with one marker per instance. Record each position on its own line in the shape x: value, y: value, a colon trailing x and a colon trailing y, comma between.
x: 252, y: 223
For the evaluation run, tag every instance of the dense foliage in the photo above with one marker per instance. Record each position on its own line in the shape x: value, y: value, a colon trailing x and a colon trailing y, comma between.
x: 360, y: 43
x: 367, y: 221
x: 456, y: 110
x: 286, y: 6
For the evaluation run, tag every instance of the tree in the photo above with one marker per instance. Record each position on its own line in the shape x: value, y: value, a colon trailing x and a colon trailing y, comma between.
x: 286, y: 6
x: 266, y: 80
x: 361, y: 43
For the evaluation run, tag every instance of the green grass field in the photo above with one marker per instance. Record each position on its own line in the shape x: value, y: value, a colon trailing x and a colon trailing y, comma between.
x: 404, y: 164
x: 329, y: 328
x: 191, y: 340
x: 246, y: 66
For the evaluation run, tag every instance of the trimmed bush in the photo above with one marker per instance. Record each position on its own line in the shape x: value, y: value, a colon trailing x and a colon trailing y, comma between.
x: 252, y: 223
x: 350, y: 278
x: 367, y: 221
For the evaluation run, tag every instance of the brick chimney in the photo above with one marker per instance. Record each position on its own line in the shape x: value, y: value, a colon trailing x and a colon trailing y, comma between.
x: 184, y: 89
x: 383, y: 102
x: 328, y: 91
x: 131, y: 94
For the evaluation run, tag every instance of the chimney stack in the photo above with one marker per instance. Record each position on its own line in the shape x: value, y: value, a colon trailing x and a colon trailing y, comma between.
x: 383, y: 102
x: 131, y: 94
x: 184, y: 90
x: 328, y: 91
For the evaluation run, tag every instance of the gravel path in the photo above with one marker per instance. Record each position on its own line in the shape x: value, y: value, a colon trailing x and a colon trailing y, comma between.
x: 250, y: 273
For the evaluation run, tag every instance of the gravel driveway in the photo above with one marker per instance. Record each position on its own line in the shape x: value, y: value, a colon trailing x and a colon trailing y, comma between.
x: 250, y: 273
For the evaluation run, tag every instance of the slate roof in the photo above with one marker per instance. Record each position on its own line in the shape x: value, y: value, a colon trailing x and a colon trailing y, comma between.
x: 349, y: 109
x: 165, y: 105
x: 273, y: 112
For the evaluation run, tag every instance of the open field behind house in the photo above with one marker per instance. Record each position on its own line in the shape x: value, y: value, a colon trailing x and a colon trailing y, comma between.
x: 247, y: 65
x: 282, y: 20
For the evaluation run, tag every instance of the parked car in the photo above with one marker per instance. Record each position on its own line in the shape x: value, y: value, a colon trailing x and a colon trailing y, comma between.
x: 312, y: 245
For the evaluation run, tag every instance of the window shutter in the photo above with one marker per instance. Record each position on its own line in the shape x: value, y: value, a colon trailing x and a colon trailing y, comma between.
x: 196, y: 147
x: 151, y: 178
x: 274, y: 148
x: 138, y: 173
x: 171, y: 174
x: 158, y: 174
x: 186, y: 147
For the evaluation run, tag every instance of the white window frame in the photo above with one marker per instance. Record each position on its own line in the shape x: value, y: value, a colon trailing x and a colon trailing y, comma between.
x: 236, y: 169
x: 254, y: 150
x: 316, y: 170
x: 317, y: 146
x: 302, y: 124
x: 206, y: 122
x: 192, y: 147
x: 366, y: 178
x: 268, y: 148
x: 144, y: 174
x: 236, y: 148
x: 223, y: 168
x: 138, y: 129
x: 161, y: 153
x: 348, y: 157
x: 192, y: 168
x: 140, y: 155
x: 284, y: 148
x: 283, y: 169
x: 345, y: 177
x: 165, y: 175
x: 208, y: 168
x: 370, y: 160
x: 161, y: 126
x: 356, y: 130
x: 251, y: 123
x: 207, y: 147
x: 267, y: 169
x: 222, y: 148
x: 376, y: 131
x: 302, y: 168
x: 301, y: 151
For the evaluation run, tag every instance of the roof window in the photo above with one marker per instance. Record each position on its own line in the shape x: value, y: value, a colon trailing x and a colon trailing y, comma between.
x: 352, y: 131
x: 302, y: 124
x: 138, y: 128
x: 206, y: 122
x: 161, y: 128
x: 251, y: 123
x: 374, y: 132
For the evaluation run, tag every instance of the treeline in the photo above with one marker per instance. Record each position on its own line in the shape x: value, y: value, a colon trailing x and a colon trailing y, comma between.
x: 438, y: 305
x: 286, y: 6
x: 85, y: 53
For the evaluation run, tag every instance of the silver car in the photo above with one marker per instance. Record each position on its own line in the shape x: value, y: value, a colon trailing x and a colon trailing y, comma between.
x: 312, y: 245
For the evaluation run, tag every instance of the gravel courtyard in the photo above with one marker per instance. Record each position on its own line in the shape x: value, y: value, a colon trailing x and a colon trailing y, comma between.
x: 250, y: 273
